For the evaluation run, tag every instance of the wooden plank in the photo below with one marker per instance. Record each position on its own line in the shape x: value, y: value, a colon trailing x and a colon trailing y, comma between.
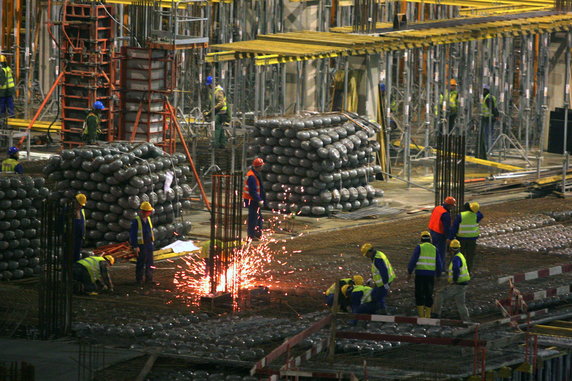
x: 147, y: 367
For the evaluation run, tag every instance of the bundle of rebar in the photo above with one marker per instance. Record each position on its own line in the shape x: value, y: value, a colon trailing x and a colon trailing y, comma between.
x: 563, y: 5
x: 450, y: 168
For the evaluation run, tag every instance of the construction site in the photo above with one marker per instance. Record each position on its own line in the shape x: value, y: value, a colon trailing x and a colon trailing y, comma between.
x: 248, y: 190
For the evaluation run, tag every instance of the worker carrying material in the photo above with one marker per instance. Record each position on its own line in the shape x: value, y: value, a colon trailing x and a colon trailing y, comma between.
x: 7, y: 89
x: 78, y: 230
x: 427, y: 266
x: 466, y: 230
x: 142, y: 240
x: 11, y: 164
x: 254, y: 199
x: 382, y: 275
x: 440, y: 225
x: 343, y: 300
x: 458, y: 278
x: 220, y: 111
x: 92, y: 124
x: 92, y: 274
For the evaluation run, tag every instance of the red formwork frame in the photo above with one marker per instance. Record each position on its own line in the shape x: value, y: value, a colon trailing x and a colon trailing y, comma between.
x: 88, y: 67
x: 148, y: 98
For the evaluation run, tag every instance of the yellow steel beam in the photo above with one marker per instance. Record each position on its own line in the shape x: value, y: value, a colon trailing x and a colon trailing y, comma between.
x: 552, y: 331
x: 487, y: 3
x: 38, y: 125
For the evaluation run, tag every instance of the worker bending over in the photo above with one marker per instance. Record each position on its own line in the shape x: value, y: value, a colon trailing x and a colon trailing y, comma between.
x: 466, y: 230
x: 11, y: 164
x: 142, y: 240
x: 92, y: 273
x: 343, y: 301
x: 361, y: 301
x: 440, y: 226
x: 382, y: 275
x: 458, y: 278
x: 427, y: 266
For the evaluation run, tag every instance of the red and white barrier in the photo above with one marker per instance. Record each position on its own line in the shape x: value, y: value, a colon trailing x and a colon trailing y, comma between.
x: 413, y: 320
x: 544, y: 273
x: 297, y: 361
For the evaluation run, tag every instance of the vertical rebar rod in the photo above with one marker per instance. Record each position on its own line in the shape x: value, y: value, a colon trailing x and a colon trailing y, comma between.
x: 566, y: 94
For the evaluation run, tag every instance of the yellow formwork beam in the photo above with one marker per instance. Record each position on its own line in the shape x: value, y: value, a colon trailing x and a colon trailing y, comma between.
x: 38, y: 125
x: 487, y: 3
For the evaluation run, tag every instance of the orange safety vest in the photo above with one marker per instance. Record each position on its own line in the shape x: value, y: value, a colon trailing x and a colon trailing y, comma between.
x: 435, y: 223
x: 246, y: 192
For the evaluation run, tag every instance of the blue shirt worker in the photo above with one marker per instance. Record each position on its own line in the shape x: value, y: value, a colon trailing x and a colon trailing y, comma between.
x: 361, y: 300
x: 142, y: 240
x: 440, y: 225
x: 342, y: 299
x: 92, y: 274
x: 78, y: 225
x: 254, y: 199
x: 11, y: 164
x: 466, y: 230
x: 427, y: 266
x: 458, y: 278
x: 220, y: 111
x: 7, y: 88
x: 382, y: 275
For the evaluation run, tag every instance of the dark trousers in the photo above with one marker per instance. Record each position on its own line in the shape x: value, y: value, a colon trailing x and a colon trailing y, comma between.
x: 342, y: 302
x: 219, y: 136
x: 77, y: 246
x: 378, y: 295
x: 80, y: 274
x: 486, y: 137
x: 440, y: 243
x: 469, y: 248
x: 144, y: 264
x: 424, y: 285
x: 7, y: 106
x: 366, y: 308
x: 254, y: 219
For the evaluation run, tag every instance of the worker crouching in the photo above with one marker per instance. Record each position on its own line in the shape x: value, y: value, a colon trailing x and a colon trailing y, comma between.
x: 382, y: 275
x: 92, y: 274
x: 343, y: 300
x: 142, y: 240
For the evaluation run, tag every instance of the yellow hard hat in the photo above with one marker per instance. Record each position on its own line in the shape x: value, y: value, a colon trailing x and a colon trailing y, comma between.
x: 81, y: 199
x: 2, y: 58
x: 453, y: 82
x: 425, y: 234
x: 474, y: 206
x: 365, y: 248
x: 146, y: 206
x: 455, y: 244
x: 109, y: 259
x: 345, y: 289
x: 358, y: 279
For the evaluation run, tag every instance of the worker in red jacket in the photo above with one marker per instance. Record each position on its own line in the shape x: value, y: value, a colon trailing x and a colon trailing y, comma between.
x: 440, y: 224
x: 254, y: 198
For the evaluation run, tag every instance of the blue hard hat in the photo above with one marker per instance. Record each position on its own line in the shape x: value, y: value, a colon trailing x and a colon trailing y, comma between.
x: 13, y: 150
x: 98, y: 106
x: 209, y: 80
x: 382, y: 86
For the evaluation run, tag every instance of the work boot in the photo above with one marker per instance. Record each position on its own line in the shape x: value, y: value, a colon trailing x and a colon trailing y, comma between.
x: 421, y: 311
x: 427, y: 312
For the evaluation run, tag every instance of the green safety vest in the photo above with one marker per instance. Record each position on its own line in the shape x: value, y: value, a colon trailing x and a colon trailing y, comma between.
x: 92, y: 266
x: 9, y: 84
x: 9, y: 165
x: 140, y: 240
x: 376, y: 276
x: 427, y: 255
x: 468, y: 227
x: 85, y: 126
x: 485, y: 111
x: 366, y: 296
x: 342, y: 282
x: 464, y: 272
x: 217, y: 89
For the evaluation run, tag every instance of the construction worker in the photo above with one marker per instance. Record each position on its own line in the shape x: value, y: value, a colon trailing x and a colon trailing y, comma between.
x: 11, y: 164
x: 78, y: 225
x: 142, y: 240
x: 254, y: 199
x: 489, y: 115
x: 92, y: 273
x: 7, y: 89
x: 466, y: 230
x: 458, y: 278
x: 382, y: 275
x: 92, y: 124
x: 450, y: 102
x: 342, y: 299
x: 440, y: 225
x: 220, y: 111
x: 427, y: 266
x: 361, y: 301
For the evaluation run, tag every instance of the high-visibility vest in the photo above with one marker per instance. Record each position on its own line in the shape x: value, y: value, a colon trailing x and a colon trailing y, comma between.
x: 83, y: 218
x: 218, y: 89
x: 452, y: 101
x: 366, y: 290
x: 469, y: 227
x: 342, y: 282
x: 435, y: 223
x: 485, y: 111
x: 246, y: 192
x: 140, y: 240
x: 375, y: 274
x: 92, y: 266
x: 89, y: 115
x: 464, y: 271
x: 9, y: 165
x: 427, y: 256
x: 9, y: 84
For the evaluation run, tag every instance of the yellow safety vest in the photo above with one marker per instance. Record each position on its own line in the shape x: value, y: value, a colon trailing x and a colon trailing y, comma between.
x: 464, y: 271
x: 366, y: 296
x: 469, y: 226
x: 217, y: 89
x: 376, y: 276
x: 9, y: 79
x: 83, y: 217
x: 485, y: 111
x: 427, y: 255
x: 140, y: 240
x: 90, y: 114
x: 9, y: 165
x: 92, y: 266
x: 342, y: 282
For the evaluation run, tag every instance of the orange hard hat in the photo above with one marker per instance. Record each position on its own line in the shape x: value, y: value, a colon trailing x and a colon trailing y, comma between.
x: 258, y: 162
x: 453, y: 82
x: 450, y: 201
